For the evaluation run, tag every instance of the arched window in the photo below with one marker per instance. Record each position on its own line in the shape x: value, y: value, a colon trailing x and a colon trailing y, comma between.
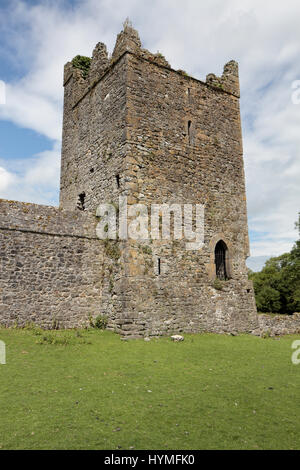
x: 220, y: 260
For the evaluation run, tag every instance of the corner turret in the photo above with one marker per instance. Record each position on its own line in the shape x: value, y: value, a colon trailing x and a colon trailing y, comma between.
x: 229, y: 81
x: 127, y: 40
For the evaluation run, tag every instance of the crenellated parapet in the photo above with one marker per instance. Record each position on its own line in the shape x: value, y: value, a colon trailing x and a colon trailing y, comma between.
x: 100, y: 62
x: 78, y: 81
x: 128, y: 40
x: 229, y: 81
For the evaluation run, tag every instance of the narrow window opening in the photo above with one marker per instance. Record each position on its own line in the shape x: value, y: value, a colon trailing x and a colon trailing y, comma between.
x: 92, y: 170
x: 189, y: 95
x: 118, y: 180
x: 81, y: 202
x: 220, y: 260
x: 189, y: 131
x: 158, y: 266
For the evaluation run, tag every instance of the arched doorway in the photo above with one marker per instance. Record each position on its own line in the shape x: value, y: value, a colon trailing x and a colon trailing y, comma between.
x: 220, y: 260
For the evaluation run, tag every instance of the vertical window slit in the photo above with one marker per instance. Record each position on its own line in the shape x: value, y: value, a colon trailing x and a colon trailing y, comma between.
x: 81, y: 202
x: 118, y: 180
x: 158, y: 266
x: 189, y: 131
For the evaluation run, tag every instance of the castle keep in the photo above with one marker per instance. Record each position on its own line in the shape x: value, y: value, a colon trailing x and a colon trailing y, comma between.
x: 135, y: 127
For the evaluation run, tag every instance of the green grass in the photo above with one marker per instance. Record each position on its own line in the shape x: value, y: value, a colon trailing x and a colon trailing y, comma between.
x: 90, y: 390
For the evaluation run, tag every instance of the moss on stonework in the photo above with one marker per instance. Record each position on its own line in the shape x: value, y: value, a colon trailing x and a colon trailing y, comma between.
x: 218, y: 284
x: 112, y: 249
x: 83, y: 63
x: 183, y: 72
x: 147, y: 250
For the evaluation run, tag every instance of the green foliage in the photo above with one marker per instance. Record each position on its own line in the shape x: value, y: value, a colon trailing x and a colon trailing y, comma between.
x: 60, y: 338
x: 55, y: 324
x: 147, y: 250
x: 100, y: 322
x: 266, y: 334
x: 159, y: 55
x: 277, y: 285
x: 112, y: 249
x: 111, y: 284
x: 218, y: 285
x: 83, y: 63
x: 183, y: 72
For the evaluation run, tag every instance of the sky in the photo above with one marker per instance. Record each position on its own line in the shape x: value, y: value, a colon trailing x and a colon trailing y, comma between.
x: 38, y: 37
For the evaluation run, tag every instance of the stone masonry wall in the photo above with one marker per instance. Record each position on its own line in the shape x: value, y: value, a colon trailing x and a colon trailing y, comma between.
x: 279, y: 324
x: 53, y: 268
x: 94, y: 139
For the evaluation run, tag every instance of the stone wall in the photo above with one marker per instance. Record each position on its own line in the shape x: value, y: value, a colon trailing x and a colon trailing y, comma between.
x: 279, y: 324
x: 51, y: 266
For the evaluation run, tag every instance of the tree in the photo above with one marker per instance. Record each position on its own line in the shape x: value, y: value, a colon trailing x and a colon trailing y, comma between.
x: 277, y: 285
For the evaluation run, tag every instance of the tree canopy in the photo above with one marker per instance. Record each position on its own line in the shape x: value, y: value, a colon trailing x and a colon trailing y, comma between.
x: 277, y: 285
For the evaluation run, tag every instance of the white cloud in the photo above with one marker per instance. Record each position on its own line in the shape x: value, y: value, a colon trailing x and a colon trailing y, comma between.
x: 32, y: 180
x: 198, y: 37
x: 7, y: 179
x: 27, y: 108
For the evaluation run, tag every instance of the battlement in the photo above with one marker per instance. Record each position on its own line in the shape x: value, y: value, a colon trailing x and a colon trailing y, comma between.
x: 229, y: 81
x: 128, y: 41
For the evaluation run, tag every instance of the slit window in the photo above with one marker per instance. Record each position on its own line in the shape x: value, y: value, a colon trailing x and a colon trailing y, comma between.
x: 158, y: 266
x: 81, y: 202
x: 190, y: 131
x: 118, y: 180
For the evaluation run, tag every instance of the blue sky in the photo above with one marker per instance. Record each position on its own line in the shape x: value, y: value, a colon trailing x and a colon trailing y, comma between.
x: 38, y: 37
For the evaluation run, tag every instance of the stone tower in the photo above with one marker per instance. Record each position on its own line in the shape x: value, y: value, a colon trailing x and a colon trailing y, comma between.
x: 135, y: 127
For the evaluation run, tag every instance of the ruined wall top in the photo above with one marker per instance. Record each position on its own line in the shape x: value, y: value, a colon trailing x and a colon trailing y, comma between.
x: 128, y: 41
x: 36, y: 218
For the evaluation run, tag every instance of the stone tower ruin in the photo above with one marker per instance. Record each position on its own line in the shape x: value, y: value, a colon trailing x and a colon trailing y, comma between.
x: 135, y: 128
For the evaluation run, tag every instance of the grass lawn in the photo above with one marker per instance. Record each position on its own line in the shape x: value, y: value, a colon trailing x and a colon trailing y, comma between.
x: 59, y: 390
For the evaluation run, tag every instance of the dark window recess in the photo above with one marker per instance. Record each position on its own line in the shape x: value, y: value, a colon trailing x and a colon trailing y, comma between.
x: 158, y: 266
x: 92, y: 170
x: 81, y: 202
x: 220, y: 260
x: 118, y: 180
x: 189, y: 96
x: 190, y: 131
